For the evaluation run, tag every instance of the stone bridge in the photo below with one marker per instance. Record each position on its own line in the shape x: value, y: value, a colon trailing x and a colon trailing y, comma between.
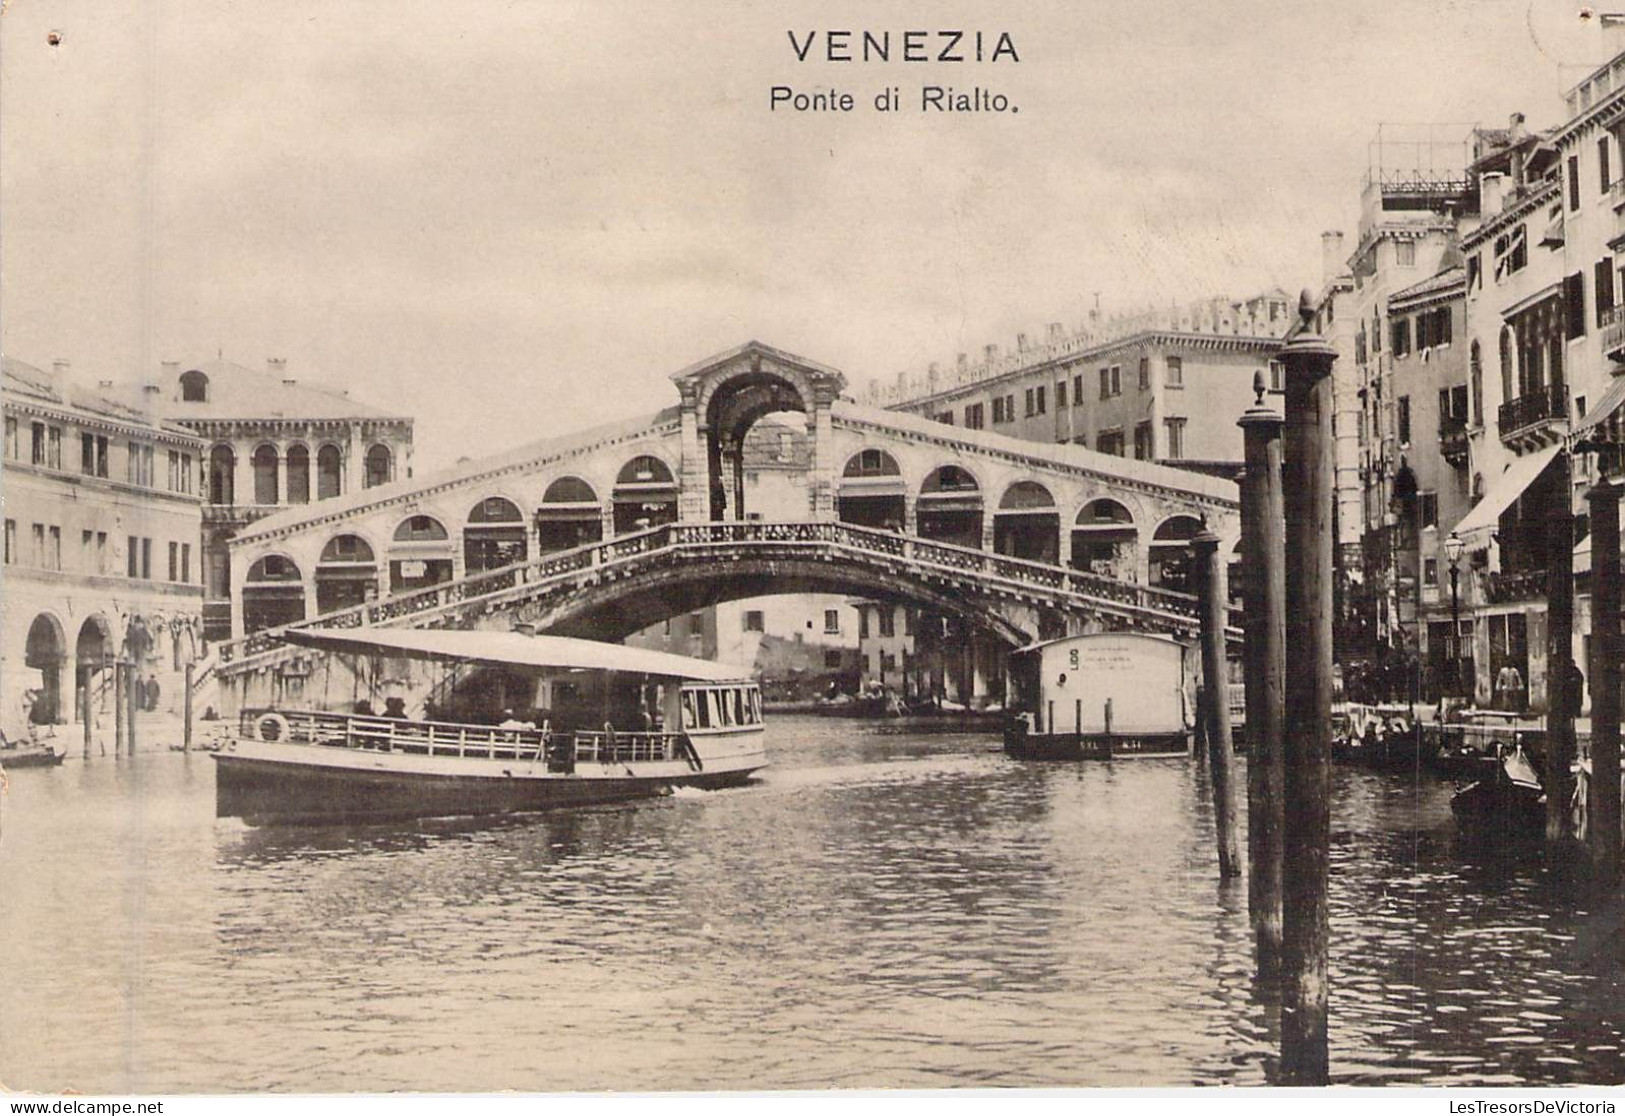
x: 613, y: 529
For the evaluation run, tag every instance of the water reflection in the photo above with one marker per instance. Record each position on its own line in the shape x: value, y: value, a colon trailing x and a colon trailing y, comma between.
x: 882, y: 908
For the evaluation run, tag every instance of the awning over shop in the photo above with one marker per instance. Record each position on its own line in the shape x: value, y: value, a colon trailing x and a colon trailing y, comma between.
x: 1478, y: 525
x: 1604, y: 409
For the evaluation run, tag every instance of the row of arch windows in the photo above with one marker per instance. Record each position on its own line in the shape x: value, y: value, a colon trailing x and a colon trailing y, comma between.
x: 379, y: 468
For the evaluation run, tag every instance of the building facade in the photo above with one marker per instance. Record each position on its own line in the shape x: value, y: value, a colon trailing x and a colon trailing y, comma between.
x: 102, y: 557
x: 274, y: 442
x: 1155, y: 386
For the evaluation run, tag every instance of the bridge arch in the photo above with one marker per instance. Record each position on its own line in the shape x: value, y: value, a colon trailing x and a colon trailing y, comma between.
x: 949, y: 507
x: 872, y: 491
x: 346, y: 573
x: 570, y: 515
x: 494, y: 535
x: 1028, y: 523
x: 645, y: 494
x: 273, y: 593
x: 1169, y: 555
x: 1106, y: 540
x: 728, y: 405
x: 420, y: 553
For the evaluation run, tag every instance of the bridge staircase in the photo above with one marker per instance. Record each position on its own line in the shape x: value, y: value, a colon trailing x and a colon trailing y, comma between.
x: 463, y: 601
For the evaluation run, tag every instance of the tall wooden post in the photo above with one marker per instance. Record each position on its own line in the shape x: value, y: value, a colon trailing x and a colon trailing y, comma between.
x: 132, y: 692
x: 1214, y: 610
x: 1308, y: 502
x: 118, y: 709
x: 84, y: 710
x: 1603, y: 794
x: 1263, y: 558
x: 1560, y: 697
x: 186, y: 723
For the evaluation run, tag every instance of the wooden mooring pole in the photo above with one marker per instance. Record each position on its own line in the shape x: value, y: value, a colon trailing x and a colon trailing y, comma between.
x: 1562, y: 704
x: 186, y: 723
x: 1308, y: 503
x: 132, y: 692
x: 1263, y: 558
x: 118, y: 709
x: 1603, y: 793
x: 84, y: 710
x: 1214, y: 611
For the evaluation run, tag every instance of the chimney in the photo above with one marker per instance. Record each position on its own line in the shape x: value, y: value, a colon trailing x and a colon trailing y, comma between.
x: 1021, y: 342
x: 169, y: 371
x: 990, y: 353
x: 104, y: 384
x: 1332, y: 257
x: 1490, y: 185
x: 932, y: 374
x: 278, y: 367
x: 1054, y: 334
x: 962, y: 363
x: 1515, y: 128
x: 59, y: 367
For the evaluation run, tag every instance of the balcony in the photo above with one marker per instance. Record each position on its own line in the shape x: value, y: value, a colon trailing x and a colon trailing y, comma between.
x: 1453, y: 438
x: 1613, y: 333
x: 1531, y: 421
x: 1616, y: 193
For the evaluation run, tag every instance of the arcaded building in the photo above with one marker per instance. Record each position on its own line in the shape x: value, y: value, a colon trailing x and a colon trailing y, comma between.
x: 274, y: 442
x: 102, y: 563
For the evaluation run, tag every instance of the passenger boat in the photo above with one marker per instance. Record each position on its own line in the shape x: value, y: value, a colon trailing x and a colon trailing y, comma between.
x: 1099, y: 696
x: 1506, y: 799
x: 489, y: 722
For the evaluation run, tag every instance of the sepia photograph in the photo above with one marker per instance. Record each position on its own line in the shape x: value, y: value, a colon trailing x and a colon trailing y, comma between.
x: 607, y: 546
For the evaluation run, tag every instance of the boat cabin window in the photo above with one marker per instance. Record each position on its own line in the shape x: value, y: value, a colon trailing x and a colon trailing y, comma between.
x: 721, y: 707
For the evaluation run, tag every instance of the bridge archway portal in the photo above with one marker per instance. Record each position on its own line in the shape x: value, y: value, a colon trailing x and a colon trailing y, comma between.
x: 737, y: 405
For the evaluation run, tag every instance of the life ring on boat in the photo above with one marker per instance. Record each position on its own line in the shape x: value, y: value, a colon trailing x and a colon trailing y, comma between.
x: 271, y: 728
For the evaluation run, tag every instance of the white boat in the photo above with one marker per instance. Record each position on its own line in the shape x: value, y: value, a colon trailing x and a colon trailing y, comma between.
x: 511, y: 723
x: 1099, y: 696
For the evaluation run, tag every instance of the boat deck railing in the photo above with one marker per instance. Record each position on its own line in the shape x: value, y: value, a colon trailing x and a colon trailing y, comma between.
x: 451, y: 738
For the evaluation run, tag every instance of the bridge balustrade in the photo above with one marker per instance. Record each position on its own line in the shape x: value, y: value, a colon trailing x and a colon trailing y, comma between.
x: 627, y: 550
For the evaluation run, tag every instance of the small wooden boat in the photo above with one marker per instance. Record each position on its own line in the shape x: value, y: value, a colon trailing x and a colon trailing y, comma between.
x: 13, y: 756
x: 610, y: 723
x: 1378, y: 735
x: 1506, y: 798
x: 1100, y: 696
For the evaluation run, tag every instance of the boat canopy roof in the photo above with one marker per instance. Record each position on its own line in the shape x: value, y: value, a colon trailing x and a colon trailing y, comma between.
x: 515, y: 649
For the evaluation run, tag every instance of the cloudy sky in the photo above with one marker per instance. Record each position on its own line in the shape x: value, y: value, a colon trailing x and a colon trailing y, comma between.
x: 512, y: 218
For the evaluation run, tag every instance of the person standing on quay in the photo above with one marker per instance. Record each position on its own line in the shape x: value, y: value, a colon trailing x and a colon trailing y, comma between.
x: 1509, y: 689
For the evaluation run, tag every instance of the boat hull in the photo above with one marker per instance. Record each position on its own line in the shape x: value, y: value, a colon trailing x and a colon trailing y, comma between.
x: 29, y: 756
x: 267, y: 784
x: 1021, y: 744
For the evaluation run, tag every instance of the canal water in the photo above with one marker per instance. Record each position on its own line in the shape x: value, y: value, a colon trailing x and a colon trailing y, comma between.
x: 886, y: 907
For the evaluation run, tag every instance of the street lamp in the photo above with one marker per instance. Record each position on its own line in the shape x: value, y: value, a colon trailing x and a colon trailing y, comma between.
x: 1453, y: 547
